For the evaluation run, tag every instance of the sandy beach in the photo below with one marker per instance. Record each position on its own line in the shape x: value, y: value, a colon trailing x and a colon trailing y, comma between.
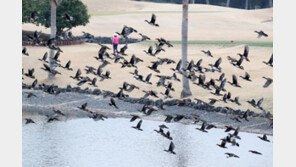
x: 206, y: 23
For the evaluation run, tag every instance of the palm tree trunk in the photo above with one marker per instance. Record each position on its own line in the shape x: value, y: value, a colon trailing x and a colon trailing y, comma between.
x: 186, y: 88
x: 247, y: 4
x: 227, y: 3
x: 53, y: 13
x: 208, y: 2
x: 193, y: 1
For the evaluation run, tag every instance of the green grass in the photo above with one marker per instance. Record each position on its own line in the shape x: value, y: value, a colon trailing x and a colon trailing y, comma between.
x: 225, y: 43
x: 111, y: 13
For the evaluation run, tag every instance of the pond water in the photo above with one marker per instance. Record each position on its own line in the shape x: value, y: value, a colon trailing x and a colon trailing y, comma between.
x: 113, y: 143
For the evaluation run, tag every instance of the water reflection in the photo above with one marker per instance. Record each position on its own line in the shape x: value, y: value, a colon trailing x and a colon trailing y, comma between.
x: 83, y: 142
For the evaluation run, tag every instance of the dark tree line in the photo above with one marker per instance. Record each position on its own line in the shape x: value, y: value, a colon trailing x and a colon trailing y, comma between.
x: 242, y: 4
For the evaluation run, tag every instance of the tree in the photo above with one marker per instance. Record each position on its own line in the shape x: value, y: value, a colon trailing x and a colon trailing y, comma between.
x: 208, y: 2
x: 246, y: 5
x: 74, y: 8
x: 186, y: 88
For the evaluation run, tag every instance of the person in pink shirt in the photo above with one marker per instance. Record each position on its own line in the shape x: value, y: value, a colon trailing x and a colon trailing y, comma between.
x: 115, y: 42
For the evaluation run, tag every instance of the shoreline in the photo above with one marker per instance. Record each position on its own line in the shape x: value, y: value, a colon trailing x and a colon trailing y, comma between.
x: 68, y: 103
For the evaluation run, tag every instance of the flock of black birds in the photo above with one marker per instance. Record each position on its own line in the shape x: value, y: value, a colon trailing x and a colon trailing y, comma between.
x: 165, y: 81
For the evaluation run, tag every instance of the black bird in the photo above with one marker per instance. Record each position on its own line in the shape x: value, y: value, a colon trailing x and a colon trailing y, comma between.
x: 97, y: 117
x: 52, y: 118
x: 216, y: 66
x: 93, y: 82
x: 198, y: 66
x: 162, y: 41
x: 236, y: 101
x: 44, y: 58
x: 24, y: 51
x: 223, y: 144
x: 174, y: 77
x: 203, y: 127
x: 83, y: 81
x: 106, y: 75
x: 245, y: 54
x: 29, y: 120
x: 234, y: 81
x: 268, y: 82
x: 89, y: 69
x: 150, y: 51
x: 67, y: 17
x: 144, y: 37
x: 56, y: 56
x: 166, y: 94
x: 178, y: 117
x: 231, y: 155
x: 83, y: 107
x: 235, y: 133
x: 221, y: 77
x: 171, y: 148
x: 154, y: 67
x: 112, y: 103
x: 58, y: 112
x: 158, y: 50
x: 33, y: 17
x: 261, y: 33
x: 147, y: 80
x: 229, y: 128
x: 270, y: 61
x: 245, y: 116
x: 67, y: 66
x: 126, y: 31
x: 123, y: 49
x: 33, y: 84
x: 238, y: 63
x: 255, y: 152
x: 30, y: 94
x: 160, y: 131
x: 264, y: 138
x: 134, y: 117
x: 208, y: 53
x: 246, y: 77
x: 30, y: 73
x: 168, y: 135
x: 212, y: 101
x: 210, y: 126
x: 47, y: 68
x: 236, y: 119
x: 99, y: 71
x: 168, y: 118
x: 152, y: 21
x: 178, y: 67
x: 163, y: 126
x: 138, y: 126
x: 258, y: 105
